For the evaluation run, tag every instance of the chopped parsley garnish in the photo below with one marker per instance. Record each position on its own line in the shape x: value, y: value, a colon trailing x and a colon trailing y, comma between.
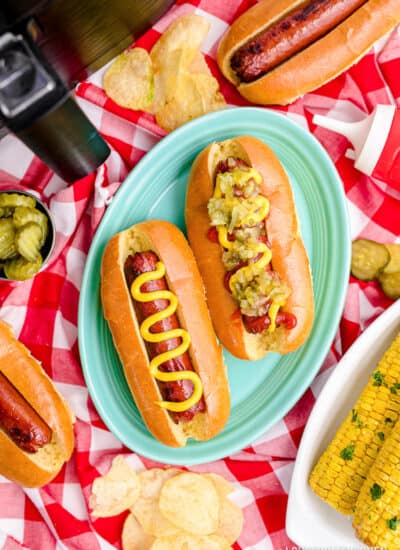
x: 356, y: 418
x: 376, y: 491
x: 378, y: 378
x: 347, y: 452
x: 394, y: 388
x: 392, y: 523
x: 381, y: 435
x: 388, y: 420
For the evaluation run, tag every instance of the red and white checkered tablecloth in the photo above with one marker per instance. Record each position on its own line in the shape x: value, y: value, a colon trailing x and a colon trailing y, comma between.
x: 43, y: 311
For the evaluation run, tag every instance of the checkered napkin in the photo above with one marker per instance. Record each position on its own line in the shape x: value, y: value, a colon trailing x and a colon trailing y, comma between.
x: 43, y: 311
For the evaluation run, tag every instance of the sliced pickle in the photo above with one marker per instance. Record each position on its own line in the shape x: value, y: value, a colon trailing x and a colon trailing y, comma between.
x: 20, y: 269
x: 28, y: 241
x: 368, y: 259
x: 13, y: 200
x: 7, y: 239
x: 390, y: 283
x: 393, y: 266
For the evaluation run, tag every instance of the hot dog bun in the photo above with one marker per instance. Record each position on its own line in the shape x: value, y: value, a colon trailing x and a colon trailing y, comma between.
x: 315, y: 65
x: 28, y: 377
x: 184, y: 281
x: 289, y: 257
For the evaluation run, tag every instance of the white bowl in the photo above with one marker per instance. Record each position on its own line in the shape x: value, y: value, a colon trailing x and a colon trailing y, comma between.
x: 310, y: 522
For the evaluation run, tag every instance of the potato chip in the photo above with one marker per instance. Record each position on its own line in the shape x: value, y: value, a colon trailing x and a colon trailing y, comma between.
x: 146, y: 508
x: 134, y: 537
x: 167, y: 80
x: 173, y: 82
x: 207, y: 86
x: 186, y: 104
x: 198, y: 65
x: 191, y: 542
x: 190, y: 501
x: 177, y: 112
x: 152, y: 481
x: 222, y: 486
x: 192, y: 99
x: 129, y: 80
x: 184, y: 85
x: 188, y: 31
x: 230, y: 522
x: 116, y: 491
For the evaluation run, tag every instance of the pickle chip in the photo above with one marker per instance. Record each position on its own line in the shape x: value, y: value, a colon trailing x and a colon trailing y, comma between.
x: 12, y: 200
x: 21, y: 269
x: 28, y: 241
x: 390, y: 283
x: 6, y: 211
x: 368, y: 259
x: 23, y: 232
x: 393, y: 266
x: 7, y: 239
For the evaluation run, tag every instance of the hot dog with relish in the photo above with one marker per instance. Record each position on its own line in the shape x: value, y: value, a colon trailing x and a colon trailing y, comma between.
x: 242, y: 227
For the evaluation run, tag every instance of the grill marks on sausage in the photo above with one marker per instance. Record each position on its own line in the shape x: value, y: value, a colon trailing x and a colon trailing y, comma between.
x: 19, y: 420
x: 180, y: 390
x: 288, y: 36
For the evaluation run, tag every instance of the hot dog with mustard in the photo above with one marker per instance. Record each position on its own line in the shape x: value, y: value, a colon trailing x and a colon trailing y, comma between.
x: 279, y: 50
x: 153, y: 300
x: 243, y: 229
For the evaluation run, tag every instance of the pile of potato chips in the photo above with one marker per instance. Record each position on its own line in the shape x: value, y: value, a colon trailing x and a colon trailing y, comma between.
x: 173, y: 82
x: 170, y: 509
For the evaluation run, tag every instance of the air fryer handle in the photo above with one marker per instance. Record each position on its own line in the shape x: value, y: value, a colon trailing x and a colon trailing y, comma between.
x: 35, y: 105
x: 66, y: 141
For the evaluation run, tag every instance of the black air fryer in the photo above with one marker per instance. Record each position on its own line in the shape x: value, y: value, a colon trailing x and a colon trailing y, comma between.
x: 46, y: 47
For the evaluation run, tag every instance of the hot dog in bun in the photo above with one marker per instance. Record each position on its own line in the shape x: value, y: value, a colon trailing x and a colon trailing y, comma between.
x: 278, y: 50
x: 36, y: 432
x: 242, y: 227
x: 153, y: 301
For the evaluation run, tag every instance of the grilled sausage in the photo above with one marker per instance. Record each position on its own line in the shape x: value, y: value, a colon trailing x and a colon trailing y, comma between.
x: 288, y: 36
x: 142, y: 262
x: 19, y: 420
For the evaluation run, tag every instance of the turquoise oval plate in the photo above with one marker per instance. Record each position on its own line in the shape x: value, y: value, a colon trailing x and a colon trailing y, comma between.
x: 262, y: 392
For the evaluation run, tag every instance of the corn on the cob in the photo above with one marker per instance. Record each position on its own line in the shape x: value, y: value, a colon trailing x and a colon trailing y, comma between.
x: 340, y: 472
x: 377, y: 513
